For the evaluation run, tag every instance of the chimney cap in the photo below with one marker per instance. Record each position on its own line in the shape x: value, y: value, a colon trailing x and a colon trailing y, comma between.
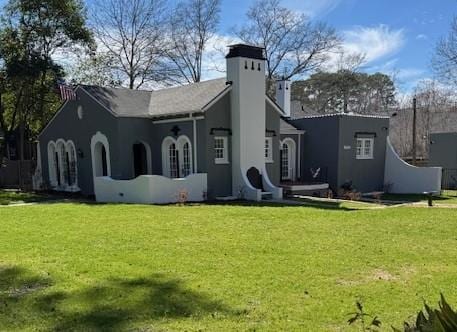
x: 246, y: 51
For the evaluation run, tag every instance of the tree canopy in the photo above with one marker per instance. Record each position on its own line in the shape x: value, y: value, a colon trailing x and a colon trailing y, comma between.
x: 345, y: 91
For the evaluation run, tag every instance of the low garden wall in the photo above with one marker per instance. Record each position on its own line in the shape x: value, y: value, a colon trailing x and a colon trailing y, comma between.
x: 403, y: 178
x: 151, y: 189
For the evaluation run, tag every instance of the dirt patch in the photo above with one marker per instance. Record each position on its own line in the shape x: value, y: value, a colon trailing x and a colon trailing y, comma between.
x: 404, y: 274
x: 379, y: 274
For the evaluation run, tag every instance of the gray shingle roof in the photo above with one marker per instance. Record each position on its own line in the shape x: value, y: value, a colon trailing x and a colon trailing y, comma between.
x: 286, y: 127
x: 170, y: 101
x: 122, y: 102
x: 185, y: 99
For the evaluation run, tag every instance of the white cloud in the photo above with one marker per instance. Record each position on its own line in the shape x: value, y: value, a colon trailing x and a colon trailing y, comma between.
x: 421, y: 37
x: 312, y: 8
x: 375, y: 42
x: 214, y: 56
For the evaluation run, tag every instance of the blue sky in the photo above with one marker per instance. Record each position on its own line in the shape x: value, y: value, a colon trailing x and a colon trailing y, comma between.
x: 396, y: 35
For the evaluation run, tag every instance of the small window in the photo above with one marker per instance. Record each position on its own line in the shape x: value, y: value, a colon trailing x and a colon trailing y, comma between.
x: 365, y: 148
x: 269, y: 149
x: 220, y: 150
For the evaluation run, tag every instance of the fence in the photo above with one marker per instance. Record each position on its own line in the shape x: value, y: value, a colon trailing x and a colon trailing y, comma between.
x: 449, y: 179
x: 13, y: 173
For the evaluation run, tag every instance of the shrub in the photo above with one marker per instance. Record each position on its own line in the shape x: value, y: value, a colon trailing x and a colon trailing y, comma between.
x: 443, y: 319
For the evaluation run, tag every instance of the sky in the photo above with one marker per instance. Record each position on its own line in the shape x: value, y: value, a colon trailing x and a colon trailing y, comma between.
x: 397, y: 36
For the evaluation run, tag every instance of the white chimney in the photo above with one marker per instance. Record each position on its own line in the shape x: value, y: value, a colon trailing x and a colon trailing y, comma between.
x: 283, y: 90
x: 246, y: 72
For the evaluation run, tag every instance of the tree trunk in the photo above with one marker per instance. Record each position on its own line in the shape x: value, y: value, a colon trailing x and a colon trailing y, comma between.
x: 21, y: 155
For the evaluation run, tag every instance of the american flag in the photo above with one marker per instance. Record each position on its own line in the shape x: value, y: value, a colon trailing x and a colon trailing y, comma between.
x: 67, y: 92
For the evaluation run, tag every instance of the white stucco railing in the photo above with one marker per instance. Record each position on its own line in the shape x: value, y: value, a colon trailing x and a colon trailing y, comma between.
x: 404, y: 178
x: 151, y: 189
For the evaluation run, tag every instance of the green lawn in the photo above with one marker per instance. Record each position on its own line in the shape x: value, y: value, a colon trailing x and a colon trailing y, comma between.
x: 94, y: 267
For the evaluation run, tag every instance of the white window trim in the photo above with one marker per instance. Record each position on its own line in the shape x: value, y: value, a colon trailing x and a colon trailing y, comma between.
x: 225, y: 160
x: 364, y: 156
x: 179, y: 143
x: 102, y: 139
x: 269, y: 158
x: 54, y: 176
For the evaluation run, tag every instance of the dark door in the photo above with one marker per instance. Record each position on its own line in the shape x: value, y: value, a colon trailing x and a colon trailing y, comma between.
x: 140, y: 162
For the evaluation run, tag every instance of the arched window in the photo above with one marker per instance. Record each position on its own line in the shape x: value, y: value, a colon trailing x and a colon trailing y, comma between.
x: 53, y: 165
x: 62, y: 173
x: 101, y: 164
x: 173, y: 161
x: 72, y: 164
x: 288, y: 159
x: 176, y: 157
x: 185, y: 156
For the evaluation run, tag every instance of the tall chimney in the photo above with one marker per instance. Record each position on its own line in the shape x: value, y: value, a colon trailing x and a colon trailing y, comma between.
x: 246, y: 72
x: 283, y: 92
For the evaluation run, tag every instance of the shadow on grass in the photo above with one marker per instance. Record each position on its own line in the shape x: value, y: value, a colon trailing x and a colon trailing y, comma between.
x: 110, y: 305
x: 302, y: 202
x: 414, y: 198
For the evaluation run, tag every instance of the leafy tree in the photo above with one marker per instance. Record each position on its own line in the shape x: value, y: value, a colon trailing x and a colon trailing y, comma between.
x: 345, y: 91
x: 32, y: 32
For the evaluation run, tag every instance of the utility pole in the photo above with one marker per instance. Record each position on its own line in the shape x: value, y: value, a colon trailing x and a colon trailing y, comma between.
x: 414, y: 130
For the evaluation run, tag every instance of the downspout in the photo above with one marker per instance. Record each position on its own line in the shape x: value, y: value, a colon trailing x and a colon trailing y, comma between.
x: 299, y: 156
x: 194, y: 122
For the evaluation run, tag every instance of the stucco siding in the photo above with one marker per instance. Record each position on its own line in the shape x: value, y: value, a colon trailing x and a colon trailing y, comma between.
x: 273, y: 127
x: 366, y: 175
x: 219, y: 175
x: 443, y: 150
x: 159, y: 131
x: 66, y: 125
x: 320, y: 147
x: 132, y: 131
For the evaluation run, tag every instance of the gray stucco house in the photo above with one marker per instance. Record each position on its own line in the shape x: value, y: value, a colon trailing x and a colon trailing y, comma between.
x: 348, y: 149
x: 219, y: 139
x: 212, y: 139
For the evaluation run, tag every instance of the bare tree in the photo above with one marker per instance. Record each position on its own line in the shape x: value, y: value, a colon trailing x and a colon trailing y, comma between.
x: 293, y: 45
x: 444, y: 61
x: 131, y: 32
x: 193, y: 24
x: 436, y: 112
x: 350, y: 61
x: 95, y: 70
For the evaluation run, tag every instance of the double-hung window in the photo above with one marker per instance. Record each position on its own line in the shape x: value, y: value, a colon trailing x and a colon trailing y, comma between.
x: 269, y: 149
x: 220, y: 150
x: 365, y: 148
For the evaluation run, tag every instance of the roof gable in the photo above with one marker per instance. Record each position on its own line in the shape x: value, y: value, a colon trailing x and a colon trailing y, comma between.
x: 185, y: 99
x: 121, y: 101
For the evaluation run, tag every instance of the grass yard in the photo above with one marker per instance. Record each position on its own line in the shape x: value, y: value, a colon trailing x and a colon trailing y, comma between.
x: 91, y: 267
